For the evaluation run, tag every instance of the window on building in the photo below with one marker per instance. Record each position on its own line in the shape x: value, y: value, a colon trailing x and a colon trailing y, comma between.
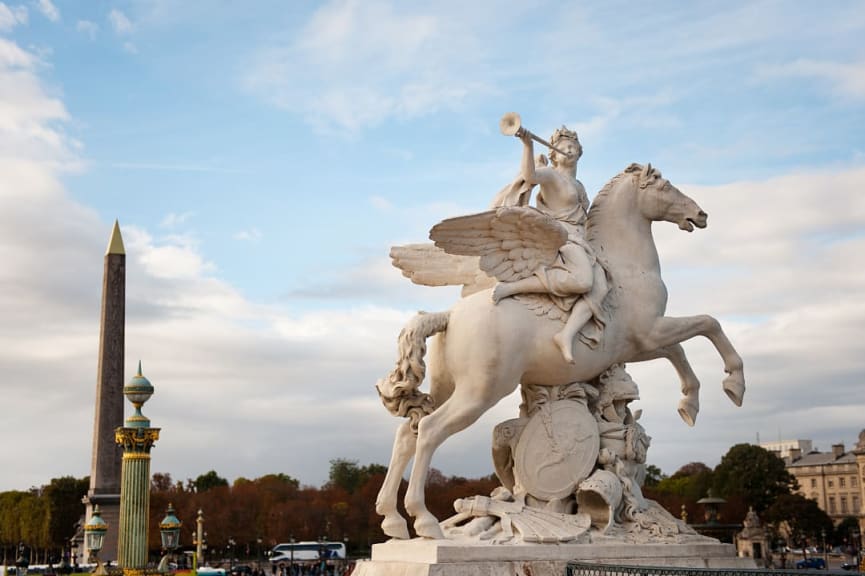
x: 831, y: 483
x: 813, y: 482
x: 843, y: 504
x: 855, y: 505
x: 831, y: 504
x: 853, y: 481
x: 842, y: 482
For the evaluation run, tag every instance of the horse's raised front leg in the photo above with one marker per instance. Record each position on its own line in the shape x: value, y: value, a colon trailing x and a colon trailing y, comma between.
x: 404, y: 443
x: 460, y: 411
x: 689, y: 404
x: 667, y: 331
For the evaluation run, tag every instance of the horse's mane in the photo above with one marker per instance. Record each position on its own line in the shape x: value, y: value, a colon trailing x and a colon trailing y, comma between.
x: 596, y: 211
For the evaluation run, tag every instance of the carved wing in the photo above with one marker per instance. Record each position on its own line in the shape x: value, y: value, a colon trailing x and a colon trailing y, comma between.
x: 428, y: 265
x: 512, y: 241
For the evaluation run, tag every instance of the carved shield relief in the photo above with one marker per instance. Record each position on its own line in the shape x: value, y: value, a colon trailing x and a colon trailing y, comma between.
x: 557, y: 450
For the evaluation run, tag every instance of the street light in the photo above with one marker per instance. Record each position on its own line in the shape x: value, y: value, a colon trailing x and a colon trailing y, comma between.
x: 169, y: 531
x: 231, y: 544
x: 94, y: 537
x: 291, y: 560
x: 199, y: 541
x: 73, y: 549
x: 258, y: 541
x: 825, y: 552
x: 856, y: 539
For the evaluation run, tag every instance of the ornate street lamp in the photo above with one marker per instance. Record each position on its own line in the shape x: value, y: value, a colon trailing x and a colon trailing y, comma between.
x: 94, y: 536
x: 169, y: 531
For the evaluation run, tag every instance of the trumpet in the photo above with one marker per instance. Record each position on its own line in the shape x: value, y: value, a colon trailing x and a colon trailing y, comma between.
x: 510, y: 125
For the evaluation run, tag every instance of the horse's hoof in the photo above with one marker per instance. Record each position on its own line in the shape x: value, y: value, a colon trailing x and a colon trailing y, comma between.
x: 427, y: 526
x: 734, y: 386
x: 688, y: 411
x: 395, y: 527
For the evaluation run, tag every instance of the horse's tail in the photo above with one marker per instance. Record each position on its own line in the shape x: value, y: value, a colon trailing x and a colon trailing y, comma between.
x: 400, y: 389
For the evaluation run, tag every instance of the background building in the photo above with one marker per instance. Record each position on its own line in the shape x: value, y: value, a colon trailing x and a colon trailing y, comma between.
x: 783, y: 447
x: 835, y: 479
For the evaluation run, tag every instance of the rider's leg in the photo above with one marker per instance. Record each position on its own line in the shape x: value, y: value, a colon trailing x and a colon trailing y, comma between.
x: 526, y: 285
x: 564, y: 339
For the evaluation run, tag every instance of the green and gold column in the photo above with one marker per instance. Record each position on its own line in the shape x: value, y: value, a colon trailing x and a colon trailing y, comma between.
x: 137, y: 438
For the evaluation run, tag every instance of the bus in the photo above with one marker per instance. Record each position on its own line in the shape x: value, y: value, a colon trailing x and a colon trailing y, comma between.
x: 303, y: 551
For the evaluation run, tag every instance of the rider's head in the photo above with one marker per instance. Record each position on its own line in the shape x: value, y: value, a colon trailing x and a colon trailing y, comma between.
x: 566, y: 140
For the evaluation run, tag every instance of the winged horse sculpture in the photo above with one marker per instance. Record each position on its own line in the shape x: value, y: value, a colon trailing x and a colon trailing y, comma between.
x: 482, y: 350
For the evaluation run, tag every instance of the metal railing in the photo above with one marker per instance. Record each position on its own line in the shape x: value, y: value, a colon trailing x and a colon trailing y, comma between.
x: 587, y: 569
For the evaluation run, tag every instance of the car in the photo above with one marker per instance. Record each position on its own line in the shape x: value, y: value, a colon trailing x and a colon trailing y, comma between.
x: 811, y: 564
x: 241, y: 570
x: 850, y: 565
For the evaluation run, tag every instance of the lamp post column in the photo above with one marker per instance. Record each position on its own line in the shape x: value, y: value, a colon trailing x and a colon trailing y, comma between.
x: 137, y: 438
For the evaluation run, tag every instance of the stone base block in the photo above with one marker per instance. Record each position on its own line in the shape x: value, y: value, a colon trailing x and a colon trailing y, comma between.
x: 447, y: 558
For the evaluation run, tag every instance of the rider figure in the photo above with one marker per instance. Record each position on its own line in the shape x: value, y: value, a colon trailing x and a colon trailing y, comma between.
x: 572, y: 275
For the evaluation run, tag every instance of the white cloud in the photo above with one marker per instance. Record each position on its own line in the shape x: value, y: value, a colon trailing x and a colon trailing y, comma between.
x: 173, y: 219
x: 250, y: 235
x: 342, y: 77
x: 120, y: 22
x: 845, y: 79
x: 30, y: 119
x: 380, y: 203
x: 130, y: 47
x: 48, y: 9
x: 11, y: 17
x: 87, y: 27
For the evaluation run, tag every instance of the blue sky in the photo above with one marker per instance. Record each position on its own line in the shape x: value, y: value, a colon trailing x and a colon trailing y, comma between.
x: 262, y: 158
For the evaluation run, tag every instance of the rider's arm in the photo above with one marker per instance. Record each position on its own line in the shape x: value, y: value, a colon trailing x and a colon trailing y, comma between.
x: 532, y: 174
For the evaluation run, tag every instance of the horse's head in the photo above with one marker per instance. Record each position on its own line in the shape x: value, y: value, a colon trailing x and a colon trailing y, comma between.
x: 659, y: 200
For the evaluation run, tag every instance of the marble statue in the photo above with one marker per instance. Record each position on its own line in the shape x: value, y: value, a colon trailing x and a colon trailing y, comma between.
x: 557, y: 297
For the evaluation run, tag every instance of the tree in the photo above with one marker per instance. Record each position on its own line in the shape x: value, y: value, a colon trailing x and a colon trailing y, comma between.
x: 755, y: 474
x: 209, y: 481
x: 346, y: 474
x: 692, y: 481
x: 161, y: 482
x: 844, y: 529
x: 63, y: 500
x: 653, y: 476
x: 800, y: 518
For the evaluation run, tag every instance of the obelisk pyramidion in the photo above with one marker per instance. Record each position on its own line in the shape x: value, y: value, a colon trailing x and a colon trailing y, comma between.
x: 107, y: 455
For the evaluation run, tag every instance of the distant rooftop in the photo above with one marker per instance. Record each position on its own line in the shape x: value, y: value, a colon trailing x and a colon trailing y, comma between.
x: 783, y: 447
x: 823, y: 458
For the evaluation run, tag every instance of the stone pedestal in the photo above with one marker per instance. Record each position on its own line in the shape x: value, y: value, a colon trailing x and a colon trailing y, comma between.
x: 447, y: 558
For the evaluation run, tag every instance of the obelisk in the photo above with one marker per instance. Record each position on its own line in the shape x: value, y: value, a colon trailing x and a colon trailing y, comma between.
x: 107, y: 455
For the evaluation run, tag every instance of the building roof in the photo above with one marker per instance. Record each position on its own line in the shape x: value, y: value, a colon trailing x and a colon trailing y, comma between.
x: 823, y: 459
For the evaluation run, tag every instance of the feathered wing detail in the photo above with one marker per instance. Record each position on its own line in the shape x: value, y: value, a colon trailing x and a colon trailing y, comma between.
x: 512, y: 241
x: 428, y: 265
